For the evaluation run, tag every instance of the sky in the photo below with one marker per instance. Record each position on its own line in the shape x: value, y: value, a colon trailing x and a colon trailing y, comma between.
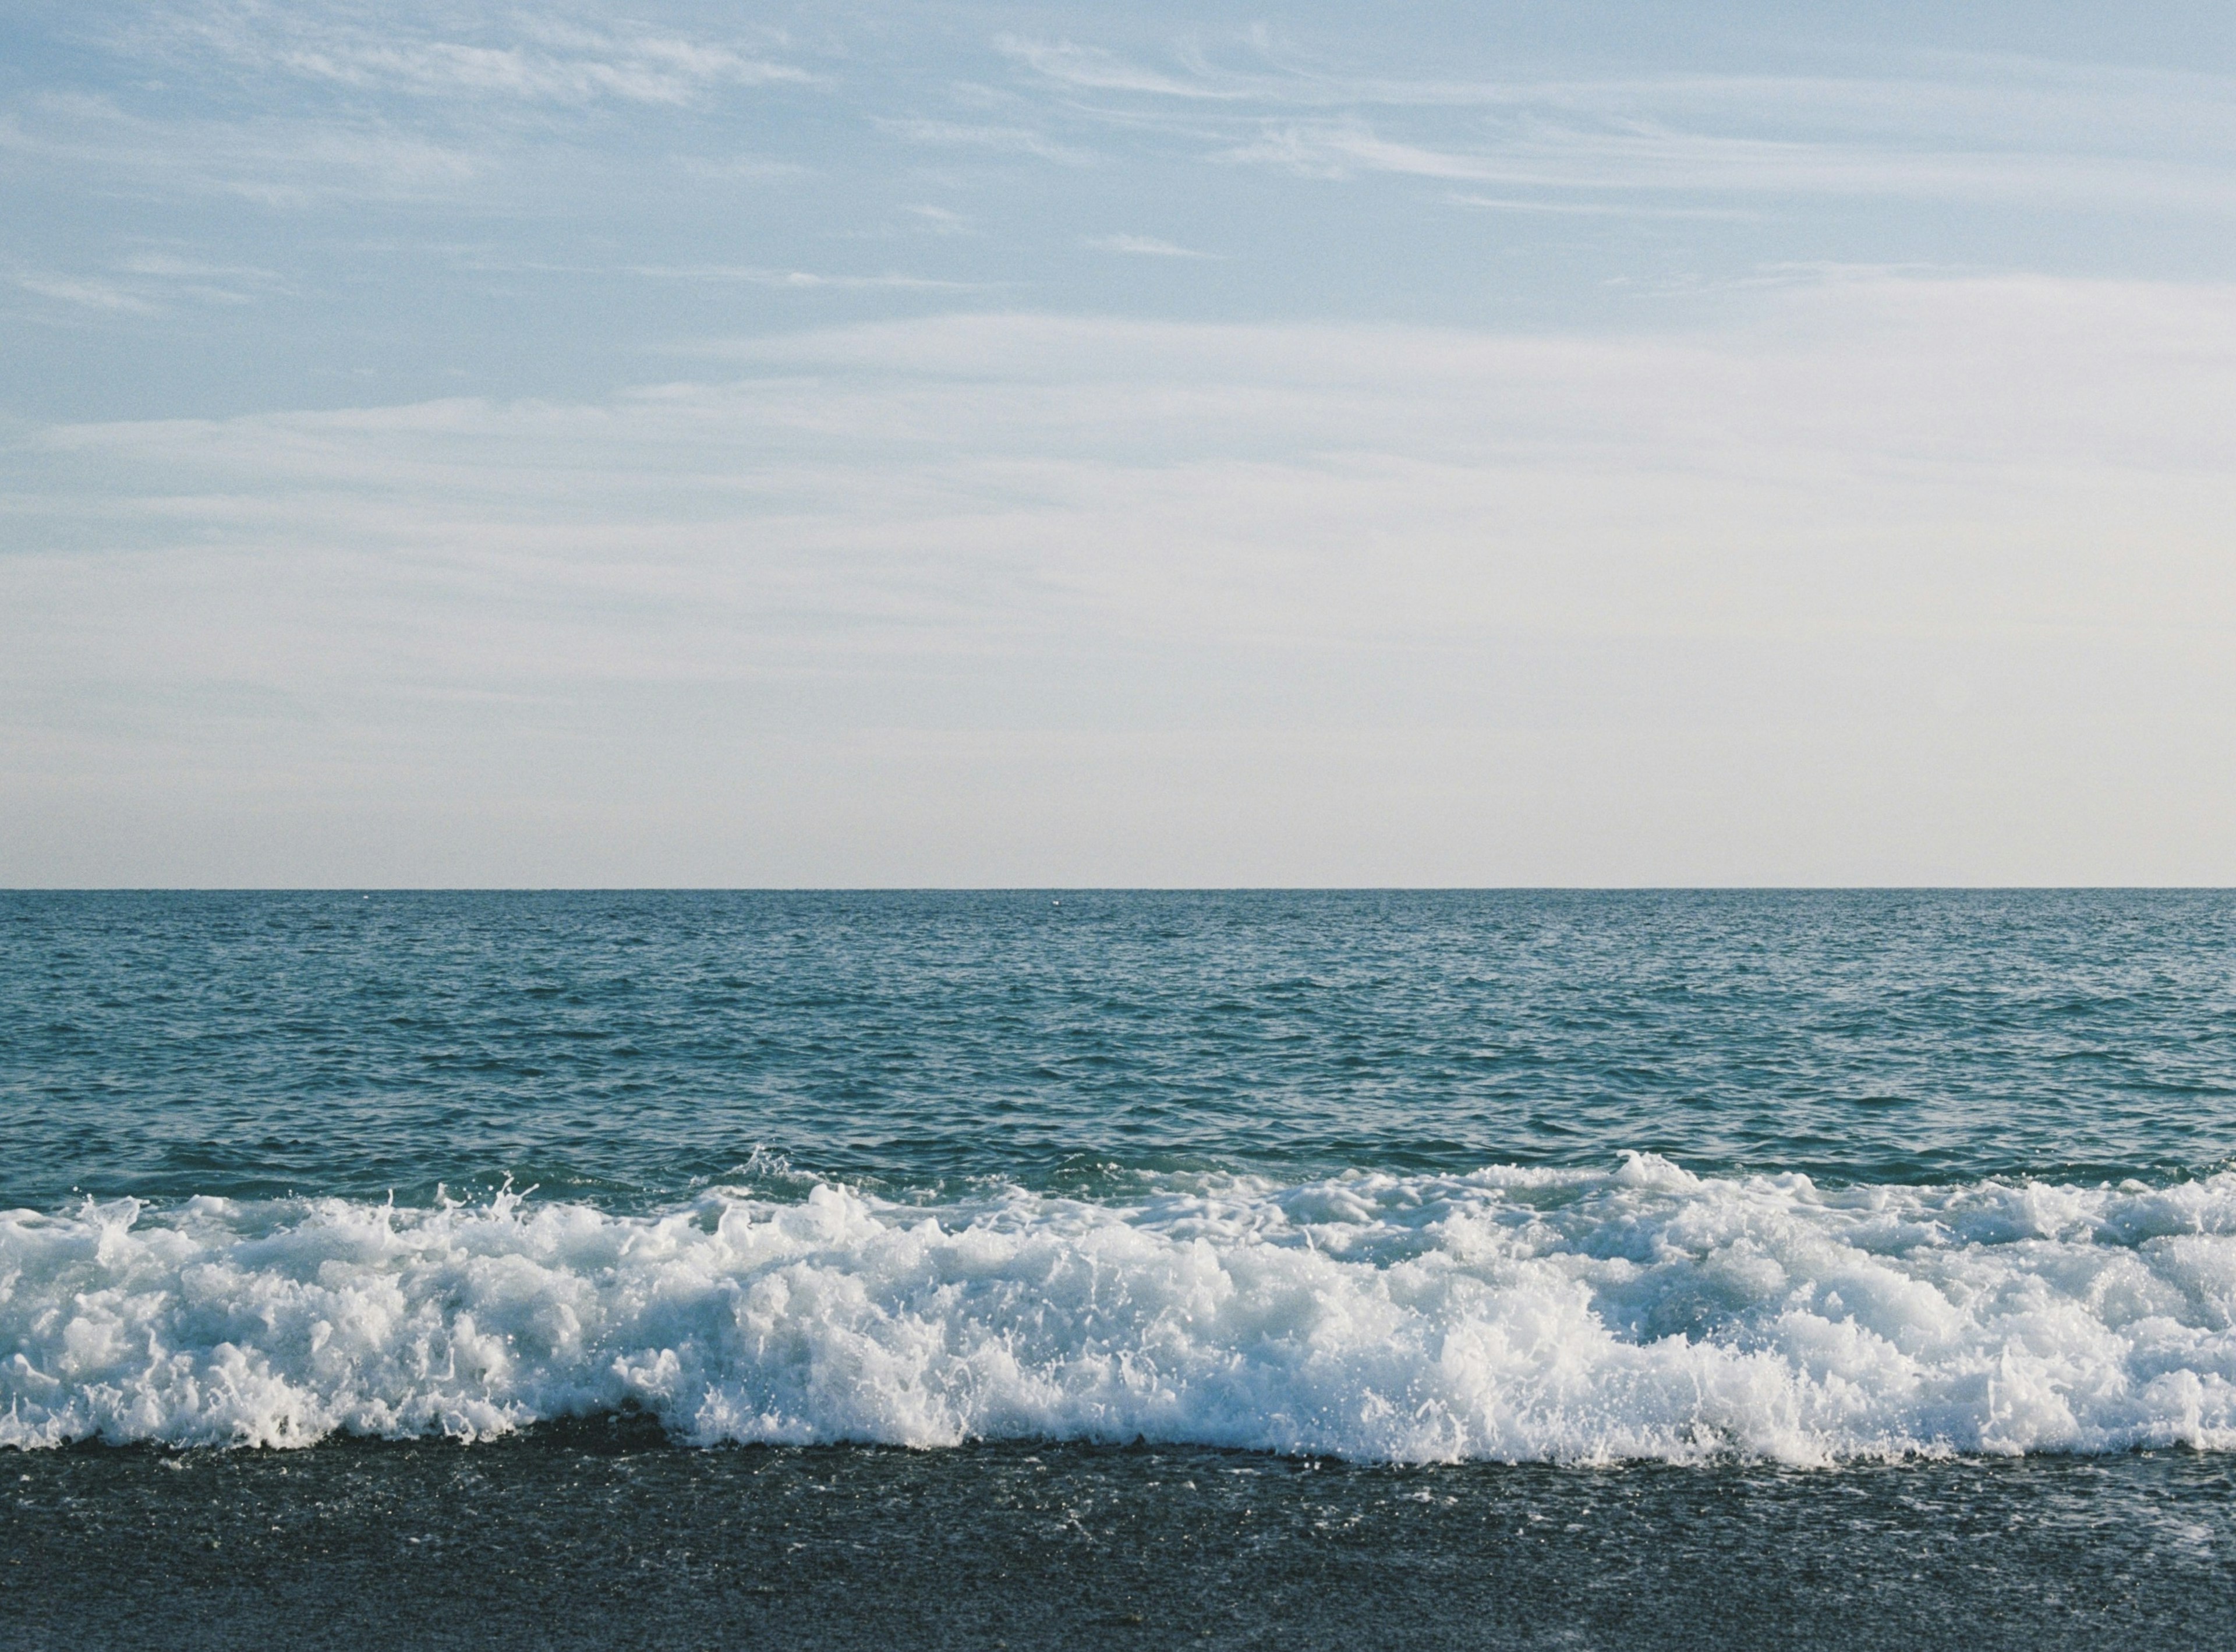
x: 1050, y: 444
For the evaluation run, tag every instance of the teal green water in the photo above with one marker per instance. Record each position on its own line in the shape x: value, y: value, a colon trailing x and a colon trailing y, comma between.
x: 627, y: 1049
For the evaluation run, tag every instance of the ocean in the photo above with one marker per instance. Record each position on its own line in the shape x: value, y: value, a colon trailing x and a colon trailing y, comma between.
x: 1471, y: 1268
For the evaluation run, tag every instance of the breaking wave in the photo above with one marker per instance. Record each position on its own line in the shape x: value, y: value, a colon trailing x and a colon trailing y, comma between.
x: 1506, y: 1314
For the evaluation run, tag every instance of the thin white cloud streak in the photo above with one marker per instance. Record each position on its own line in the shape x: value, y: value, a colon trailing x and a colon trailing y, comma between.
x: 153, y: 278
x: 939, y: 221
x: 1604, y: 208
x: 2014, y: 98
x: 1012, y: 598
x: 745, y: 168
x: 1094, y: 69
x: 86, y: 293
x: 1949, y: 129
x: 1009, y: 140
x: 171, y: 267
x: 754, y: 275
x: 1665, y: 160
x: 1143, y: 246
x: 437, y: 98
x: 276, y: 161
x: 507, y: 52
x: 2017, y: 98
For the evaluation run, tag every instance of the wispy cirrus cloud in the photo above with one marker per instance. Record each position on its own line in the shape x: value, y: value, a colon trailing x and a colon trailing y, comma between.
x: 799, y: 280
x: 939, y: 221
x: 85, y: 293
x: 1628, y: 208
x: 1010, y: 140
x: 290, y: 105
x: 1095, y: 69
x: 173, y: 266
x: 147, y: 282
x: 742, y: 168
x: 453, y: 52
x: 1143, y: 246
x: 274, y: 161
x: 2022, y: 98
x: 1668, y: 160
x: 1942, y: 128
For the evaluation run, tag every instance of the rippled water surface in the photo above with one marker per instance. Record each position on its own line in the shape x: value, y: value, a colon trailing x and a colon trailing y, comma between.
x: 628, y: 1050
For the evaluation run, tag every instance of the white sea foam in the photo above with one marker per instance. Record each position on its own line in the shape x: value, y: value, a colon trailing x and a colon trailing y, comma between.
x: 1510, y: 1314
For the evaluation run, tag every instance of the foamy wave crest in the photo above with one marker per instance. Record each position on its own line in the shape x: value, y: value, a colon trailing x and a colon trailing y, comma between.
x: 1506, y: 1314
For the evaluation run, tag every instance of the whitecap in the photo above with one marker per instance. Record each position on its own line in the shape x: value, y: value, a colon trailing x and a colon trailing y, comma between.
x: 1509, y: 1314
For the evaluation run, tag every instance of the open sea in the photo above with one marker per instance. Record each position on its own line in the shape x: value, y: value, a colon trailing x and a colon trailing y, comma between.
x: 1470, y: 1269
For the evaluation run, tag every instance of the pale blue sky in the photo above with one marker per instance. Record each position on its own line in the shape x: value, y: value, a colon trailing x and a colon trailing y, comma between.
x: 925, y: 444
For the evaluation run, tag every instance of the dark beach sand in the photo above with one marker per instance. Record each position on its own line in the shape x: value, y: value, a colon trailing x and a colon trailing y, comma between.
x: 601, y: 1535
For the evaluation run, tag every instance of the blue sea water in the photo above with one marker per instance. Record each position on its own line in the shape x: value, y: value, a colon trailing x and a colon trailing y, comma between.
x: 1048, y: 1204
